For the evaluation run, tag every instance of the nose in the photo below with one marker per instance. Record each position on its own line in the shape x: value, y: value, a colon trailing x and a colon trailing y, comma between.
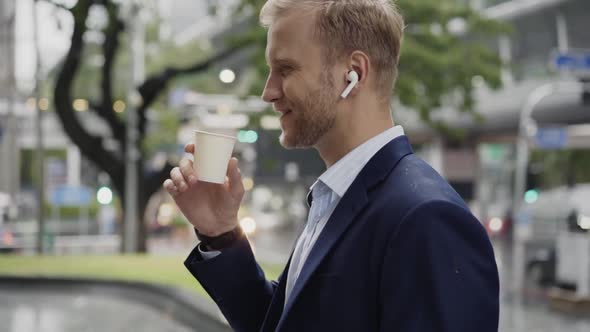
x: 273, y: 90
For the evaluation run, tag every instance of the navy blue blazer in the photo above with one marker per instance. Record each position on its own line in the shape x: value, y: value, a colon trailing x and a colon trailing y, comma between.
x: 401, y: 252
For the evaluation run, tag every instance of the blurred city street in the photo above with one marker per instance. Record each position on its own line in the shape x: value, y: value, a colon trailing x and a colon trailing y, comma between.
x: 21, y: 310
x: 98, y: 100
x: 532, y: 313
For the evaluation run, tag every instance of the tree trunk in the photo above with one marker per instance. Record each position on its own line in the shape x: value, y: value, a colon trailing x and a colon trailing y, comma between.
x: 142, y: 199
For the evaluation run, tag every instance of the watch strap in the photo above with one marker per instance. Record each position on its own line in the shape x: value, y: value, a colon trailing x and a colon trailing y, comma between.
x: 221, y: 241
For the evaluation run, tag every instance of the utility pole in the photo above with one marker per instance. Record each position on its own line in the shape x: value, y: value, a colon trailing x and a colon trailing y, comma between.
x: 39, y: 130
x: 137, y: 33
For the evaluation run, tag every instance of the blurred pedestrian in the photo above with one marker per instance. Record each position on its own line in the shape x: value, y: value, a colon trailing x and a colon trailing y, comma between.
x: 388, y: 245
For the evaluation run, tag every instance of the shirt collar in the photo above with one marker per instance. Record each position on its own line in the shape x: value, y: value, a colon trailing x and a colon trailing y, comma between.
x: 341, y: 175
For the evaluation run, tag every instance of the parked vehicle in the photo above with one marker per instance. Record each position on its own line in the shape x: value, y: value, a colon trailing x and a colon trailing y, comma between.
x: 563, y: 209
x: 7, y: 213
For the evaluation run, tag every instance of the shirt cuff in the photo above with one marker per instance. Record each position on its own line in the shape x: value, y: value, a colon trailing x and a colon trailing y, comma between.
x: 208, y: 254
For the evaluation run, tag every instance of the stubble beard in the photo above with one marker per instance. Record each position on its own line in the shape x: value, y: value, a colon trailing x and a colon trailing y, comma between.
x: 313, y: 116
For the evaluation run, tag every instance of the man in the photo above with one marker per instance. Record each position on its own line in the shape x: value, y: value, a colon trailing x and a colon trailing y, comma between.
x: 388, y: 245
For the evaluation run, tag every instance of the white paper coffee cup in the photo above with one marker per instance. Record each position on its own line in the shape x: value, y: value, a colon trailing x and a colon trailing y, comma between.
x: 212, y: 154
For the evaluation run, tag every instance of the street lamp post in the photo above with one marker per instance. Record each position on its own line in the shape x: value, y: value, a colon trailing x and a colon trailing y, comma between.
x: 527, y: 127
x: 130, y: 242
x: 39, y: 130
x: 131, y: 178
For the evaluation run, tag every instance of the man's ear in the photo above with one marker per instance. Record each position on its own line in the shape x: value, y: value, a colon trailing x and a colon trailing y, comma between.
x: 361, y: 64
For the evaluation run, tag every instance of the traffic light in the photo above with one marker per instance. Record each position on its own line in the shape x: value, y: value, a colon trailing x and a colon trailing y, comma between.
x: 247, y: 136
x: 531, y: 196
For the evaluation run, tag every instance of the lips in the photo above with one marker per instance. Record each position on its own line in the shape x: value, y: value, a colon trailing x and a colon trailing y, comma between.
x: 284, y: 111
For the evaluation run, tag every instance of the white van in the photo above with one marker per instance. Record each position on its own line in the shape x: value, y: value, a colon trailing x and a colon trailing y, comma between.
x: 558, y: 210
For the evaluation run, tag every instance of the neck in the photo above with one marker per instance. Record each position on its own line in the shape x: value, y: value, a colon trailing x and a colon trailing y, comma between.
x: 351, y: 129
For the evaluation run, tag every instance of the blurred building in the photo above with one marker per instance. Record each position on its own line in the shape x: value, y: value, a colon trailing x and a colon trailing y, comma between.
x: 8, y: 154
x: 482, y: 167
x: 18, y: 136
x: 187, y: 20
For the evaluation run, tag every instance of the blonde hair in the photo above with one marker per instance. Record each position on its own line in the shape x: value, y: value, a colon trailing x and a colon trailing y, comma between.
x: 343, y: 26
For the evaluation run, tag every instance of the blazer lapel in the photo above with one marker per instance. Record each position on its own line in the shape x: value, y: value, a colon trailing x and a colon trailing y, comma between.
x: 275, y: 310
x: 277, y: 303
x: 351, y: 204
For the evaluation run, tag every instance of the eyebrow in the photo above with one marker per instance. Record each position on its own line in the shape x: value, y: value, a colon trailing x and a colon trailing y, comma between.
x: 280, y: 61
x: 285, y: 62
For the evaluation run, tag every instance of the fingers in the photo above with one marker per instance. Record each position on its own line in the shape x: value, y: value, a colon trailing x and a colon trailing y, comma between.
x: 183, y: 176
x: 170, y: 187
x: 178, y: 179
x: 186, y: 168
x: 189, y: 148
x: 236, y: 187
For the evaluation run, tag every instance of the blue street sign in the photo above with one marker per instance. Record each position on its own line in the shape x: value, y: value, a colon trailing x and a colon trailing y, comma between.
x: 551, y: 138
x: 70, y: 196
x: 575, y: 60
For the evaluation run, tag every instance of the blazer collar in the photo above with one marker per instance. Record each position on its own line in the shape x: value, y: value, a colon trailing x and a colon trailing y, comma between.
x: 353, y: 201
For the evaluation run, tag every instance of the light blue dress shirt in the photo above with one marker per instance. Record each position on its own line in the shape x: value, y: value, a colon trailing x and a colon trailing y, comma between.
x: 335, y: 180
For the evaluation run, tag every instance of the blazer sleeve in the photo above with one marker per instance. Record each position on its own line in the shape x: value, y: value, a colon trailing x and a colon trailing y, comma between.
x: 236, y: 283
x: 439, y: 273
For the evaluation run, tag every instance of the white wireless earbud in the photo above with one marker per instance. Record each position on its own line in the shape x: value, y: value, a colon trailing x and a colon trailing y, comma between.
x: 353, y: 78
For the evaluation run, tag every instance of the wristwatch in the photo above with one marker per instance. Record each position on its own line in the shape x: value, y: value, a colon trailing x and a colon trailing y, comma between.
x: 219, y: 242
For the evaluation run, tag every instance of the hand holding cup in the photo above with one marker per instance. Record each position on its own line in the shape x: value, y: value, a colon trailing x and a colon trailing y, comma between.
x: 211, y: 207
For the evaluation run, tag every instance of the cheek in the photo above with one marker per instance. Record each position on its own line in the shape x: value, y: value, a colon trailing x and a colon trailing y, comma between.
x: 295, y: 88
x: 291, y: 89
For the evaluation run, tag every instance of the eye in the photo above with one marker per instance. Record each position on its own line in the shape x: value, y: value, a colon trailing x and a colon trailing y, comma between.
x: 285, y: 70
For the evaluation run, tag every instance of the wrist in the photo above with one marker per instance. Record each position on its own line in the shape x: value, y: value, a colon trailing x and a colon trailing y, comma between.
x: 214, y: 232
x: 221, y: 241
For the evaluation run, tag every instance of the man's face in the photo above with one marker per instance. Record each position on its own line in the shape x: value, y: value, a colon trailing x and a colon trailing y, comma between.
x: 300, y: 86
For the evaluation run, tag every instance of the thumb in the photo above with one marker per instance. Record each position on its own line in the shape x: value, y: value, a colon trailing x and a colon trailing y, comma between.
x: 236, y: 187
x: 189, y: 148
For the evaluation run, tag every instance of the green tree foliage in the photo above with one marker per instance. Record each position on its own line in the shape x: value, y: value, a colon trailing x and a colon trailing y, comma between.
x: 561, y: 167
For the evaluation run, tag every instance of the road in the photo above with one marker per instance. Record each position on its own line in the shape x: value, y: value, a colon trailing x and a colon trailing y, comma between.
x: 523, y: 315
x: 26, y: 311
x: 538, y: 318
